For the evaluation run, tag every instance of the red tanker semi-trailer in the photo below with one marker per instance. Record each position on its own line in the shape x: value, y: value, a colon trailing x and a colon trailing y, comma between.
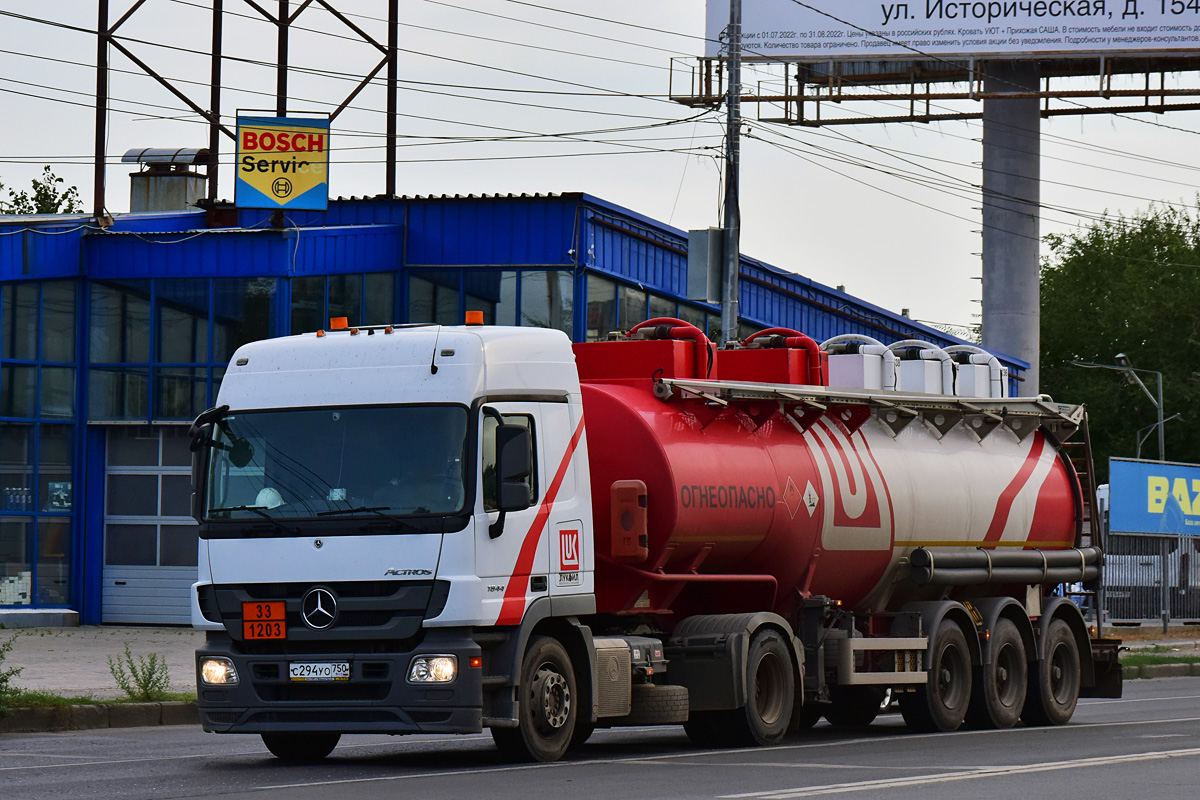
x: 900, y: 536
x: 443, y: 529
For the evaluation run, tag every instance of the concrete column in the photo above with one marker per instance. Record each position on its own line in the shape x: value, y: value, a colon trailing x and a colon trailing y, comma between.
x: 1011, y: 171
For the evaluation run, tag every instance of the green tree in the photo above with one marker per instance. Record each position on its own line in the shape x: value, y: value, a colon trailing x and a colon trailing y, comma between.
x: 47, y: 196
x: 1126, y: 286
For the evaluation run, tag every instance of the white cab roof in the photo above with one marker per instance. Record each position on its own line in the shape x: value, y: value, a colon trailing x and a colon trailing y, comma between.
x: 374, y: 367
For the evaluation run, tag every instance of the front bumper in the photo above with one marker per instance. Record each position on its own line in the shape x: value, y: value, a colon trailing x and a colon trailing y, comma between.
x: 376, y: 699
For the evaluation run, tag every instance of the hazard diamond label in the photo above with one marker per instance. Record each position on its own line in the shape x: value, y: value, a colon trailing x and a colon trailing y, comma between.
x: 811, y: 498
x: 792, y: 498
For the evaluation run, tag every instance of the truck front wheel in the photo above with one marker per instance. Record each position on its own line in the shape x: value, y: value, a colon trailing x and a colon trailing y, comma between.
x: 301, y: 747
x: 940, y: 704
x: 771, y: 687
x: 548, y: 708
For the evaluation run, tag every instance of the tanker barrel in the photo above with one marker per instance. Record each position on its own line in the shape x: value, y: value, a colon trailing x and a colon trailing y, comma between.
x: 975, y: 576
x: 997, y: 567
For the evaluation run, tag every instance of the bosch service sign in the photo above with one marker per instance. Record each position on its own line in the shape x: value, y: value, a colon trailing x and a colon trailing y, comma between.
x: 283, y: 163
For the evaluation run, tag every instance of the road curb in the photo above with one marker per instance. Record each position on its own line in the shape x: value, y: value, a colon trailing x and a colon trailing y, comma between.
x: 80, y: 718
x: 1162, y: 671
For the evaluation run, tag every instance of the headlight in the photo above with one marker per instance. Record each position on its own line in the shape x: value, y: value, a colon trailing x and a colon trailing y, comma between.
x: 218, y: 671
x: 433, y: 669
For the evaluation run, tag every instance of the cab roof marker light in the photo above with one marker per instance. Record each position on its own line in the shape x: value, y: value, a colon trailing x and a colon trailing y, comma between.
x: 388, y: 329
x: 474, y: 318
x: 320, y: 334
x: 354, y: 331
x: 339, y: 323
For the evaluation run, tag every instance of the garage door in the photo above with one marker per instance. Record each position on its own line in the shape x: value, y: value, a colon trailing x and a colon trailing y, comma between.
x: 149, y: 535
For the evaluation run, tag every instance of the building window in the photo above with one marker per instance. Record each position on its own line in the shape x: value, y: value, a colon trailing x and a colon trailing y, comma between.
x: 632, y: 307
x: 601, y: 307
x: 243, y: 311
x: 433, y: 297
x: 379, y: 298
x: 18, y: 321
x: 308, y: 304
x: 119, y: 330
x: 661, y: 307
x: 548, y: 300
x: 492, y: 291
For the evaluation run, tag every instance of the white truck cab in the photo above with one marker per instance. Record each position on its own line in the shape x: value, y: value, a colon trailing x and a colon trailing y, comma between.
x: 368, y: 499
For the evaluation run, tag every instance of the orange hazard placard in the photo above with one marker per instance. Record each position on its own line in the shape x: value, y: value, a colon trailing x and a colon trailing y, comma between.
x: 282, y: 163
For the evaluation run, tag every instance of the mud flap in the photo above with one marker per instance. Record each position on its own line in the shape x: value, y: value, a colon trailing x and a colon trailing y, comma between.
x: 1109, y: 678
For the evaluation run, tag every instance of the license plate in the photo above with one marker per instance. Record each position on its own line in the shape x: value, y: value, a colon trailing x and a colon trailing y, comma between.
x: 319, y: 671
x: 264, y: 620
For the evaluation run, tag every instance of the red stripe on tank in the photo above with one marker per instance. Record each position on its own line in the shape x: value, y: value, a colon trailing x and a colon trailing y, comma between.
x: 1004, y: 504
x: 513, y: 607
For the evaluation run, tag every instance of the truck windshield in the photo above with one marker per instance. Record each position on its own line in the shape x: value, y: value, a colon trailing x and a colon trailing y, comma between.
x: 328, y: 462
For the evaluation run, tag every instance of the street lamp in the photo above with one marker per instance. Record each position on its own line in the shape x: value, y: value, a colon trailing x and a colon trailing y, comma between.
x: 1130, y: 372
x: 1145, y: 432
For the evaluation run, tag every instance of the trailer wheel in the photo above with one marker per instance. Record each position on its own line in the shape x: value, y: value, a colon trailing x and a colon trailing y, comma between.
x: 1001, y: 686
x: 940, y: 704
x: 1054, y: 684
x: 547, y: 711
x: 854, y: 706
x: 771, y: 688
x: 300, y: 748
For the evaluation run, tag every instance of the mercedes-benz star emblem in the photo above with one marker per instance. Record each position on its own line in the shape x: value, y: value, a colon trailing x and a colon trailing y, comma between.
x: 318, y: 608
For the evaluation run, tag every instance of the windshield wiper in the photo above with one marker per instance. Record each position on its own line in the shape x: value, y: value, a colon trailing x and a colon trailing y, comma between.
x: 261, y: 511
x: 359, y: 510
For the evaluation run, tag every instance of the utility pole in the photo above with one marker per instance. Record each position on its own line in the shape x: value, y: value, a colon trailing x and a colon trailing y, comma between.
x: 102, y: 34
x: 732, y: 224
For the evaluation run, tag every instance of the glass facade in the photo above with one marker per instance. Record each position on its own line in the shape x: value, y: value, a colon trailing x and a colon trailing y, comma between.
x: 38, y: 343
x: 154, y: 345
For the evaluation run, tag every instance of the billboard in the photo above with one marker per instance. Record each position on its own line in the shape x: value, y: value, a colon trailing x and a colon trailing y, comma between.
x: 1153, y: 497
x: 282, y: 163
x: 863, y: 30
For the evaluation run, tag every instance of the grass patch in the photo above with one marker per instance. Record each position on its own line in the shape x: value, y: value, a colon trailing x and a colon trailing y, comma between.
x: 24, y: 698
x: 1148, y: 659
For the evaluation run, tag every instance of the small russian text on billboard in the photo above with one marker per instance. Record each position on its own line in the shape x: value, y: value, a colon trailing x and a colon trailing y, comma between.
x: 283, y: 163
x: 861, y: 30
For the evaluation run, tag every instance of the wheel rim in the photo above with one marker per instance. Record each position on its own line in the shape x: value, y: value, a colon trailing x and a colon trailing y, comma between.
x: 551, y: 700
x: 951, y: 684
x: 1007, y: 675
x: 769, y: 688
x: 1061, y: 674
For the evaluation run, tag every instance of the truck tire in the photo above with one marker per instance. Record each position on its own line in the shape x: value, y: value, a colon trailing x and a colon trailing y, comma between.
x: 548, y: 708
x: 854, y: 706
x: 300, y: 748
x: 1054, y: 682
x: 1001, y: 686
x: 940, y: 704
x: 657, y: 705
x: 770, y: 692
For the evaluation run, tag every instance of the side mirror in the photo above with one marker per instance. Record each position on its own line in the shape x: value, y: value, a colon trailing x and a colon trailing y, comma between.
x: 513, y: 443
x: 199, y: 468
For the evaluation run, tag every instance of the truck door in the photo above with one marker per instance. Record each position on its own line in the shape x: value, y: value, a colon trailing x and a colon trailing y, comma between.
x: 513, y: 562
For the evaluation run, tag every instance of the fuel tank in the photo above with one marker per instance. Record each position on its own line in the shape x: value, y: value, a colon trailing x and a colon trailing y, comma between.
x: 824, y: 498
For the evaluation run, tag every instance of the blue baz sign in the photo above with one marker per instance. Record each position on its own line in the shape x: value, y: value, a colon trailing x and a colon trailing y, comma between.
x: 1153, y: 497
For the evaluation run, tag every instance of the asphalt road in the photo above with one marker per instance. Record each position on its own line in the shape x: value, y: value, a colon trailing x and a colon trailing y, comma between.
x: 1144, y: 745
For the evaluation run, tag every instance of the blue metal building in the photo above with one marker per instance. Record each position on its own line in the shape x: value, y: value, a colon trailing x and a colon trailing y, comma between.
x: 111, y: 340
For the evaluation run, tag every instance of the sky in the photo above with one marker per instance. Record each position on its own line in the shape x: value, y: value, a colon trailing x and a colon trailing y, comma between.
x: 541, y: 96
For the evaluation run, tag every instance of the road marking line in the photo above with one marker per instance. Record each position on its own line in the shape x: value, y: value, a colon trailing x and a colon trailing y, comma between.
x: 730, y: 751
x: 1138, y: 700
x: 946, y: 777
